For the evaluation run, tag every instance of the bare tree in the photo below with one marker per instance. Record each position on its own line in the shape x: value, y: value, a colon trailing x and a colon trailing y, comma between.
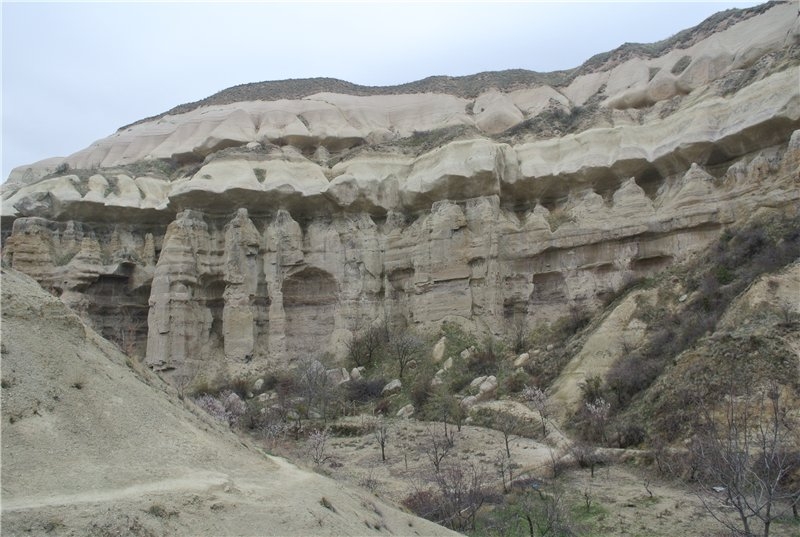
x: 599, y: 411
x: 315, y: 386
x: 505, y: 467
x: 586, y: 455
x: 363, y: 349
x: 556, y: 461
x: 449, y: 410
x: 747, y: 455
x: 403, y: 348
x: 183, y: 377
x: 462, y: 490
x: 437, y: 446
x: 537, y: 399
x: 381, y: 431
x: 550, y: 516
x: 508, y: 424
x: 317, y: 443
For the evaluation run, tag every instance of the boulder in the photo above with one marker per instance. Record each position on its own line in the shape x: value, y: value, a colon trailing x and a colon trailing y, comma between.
x: 469, y: 402
x: 258, y: 384
x: 476, y: 382
x: 338, y: 375
x: 406, y: 412
x: 357, y: 373
x: 437, y: 379
x: 522, y: 359
x: 392, y: 388
x: 438, y: 350
x: 487, y: 389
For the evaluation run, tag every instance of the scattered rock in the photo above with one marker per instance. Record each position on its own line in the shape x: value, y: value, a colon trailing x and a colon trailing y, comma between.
x: 438, y: 379
x: 469, y: 402
x: 488, y: 388
x: 406, y: 412
x: 477, y: 382
x: 357, y: 373
x: 392, y: 388
x: 338, y: 375
x: 438, y: 350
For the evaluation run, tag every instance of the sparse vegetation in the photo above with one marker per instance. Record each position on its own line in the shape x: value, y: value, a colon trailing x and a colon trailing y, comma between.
x: 681, y: 65
x: 739, y: 257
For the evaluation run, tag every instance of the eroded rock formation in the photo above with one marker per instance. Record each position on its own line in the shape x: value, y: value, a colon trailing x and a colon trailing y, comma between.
x: 226, y: 236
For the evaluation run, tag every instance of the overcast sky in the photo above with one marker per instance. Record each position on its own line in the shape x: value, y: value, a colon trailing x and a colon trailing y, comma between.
x: 75, y: 72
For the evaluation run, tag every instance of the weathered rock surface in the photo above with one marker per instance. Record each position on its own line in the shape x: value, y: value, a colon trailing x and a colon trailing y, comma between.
x: 227, y: 237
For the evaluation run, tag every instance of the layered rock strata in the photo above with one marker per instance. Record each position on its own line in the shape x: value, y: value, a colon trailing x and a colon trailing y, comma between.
x: 234, y: 236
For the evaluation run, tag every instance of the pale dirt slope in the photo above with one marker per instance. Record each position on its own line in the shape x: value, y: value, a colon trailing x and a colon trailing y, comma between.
x: 90, y: 448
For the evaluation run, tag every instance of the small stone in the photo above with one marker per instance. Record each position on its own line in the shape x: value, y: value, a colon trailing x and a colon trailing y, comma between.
x: 522, y: 359
x: 258, y: 384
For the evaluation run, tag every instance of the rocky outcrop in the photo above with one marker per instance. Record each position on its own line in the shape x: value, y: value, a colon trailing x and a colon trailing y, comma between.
x: 233, y: 236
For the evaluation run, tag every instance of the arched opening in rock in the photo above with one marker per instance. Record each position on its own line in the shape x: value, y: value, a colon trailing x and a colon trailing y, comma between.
x: 118, y: 313
x: 309, y: 302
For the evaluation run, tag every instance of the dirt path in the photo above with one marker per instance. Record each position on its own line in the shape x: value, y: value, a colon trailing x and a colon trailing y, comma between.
x: 195, y: 482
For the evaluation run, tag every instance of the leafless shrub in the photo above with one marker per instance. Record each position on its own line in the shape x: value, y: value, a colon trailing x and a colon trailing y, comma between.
x: 212, y: 406
x: 556, y: 462
x: 748, y: 453
x: 586, y: 455
x: 317, y: 443
x: 437, y: 446
x: 227, y: 406
x: 462, y: 489
x: 317, y: 389
x: 548, y: 515
x: 505, y: 468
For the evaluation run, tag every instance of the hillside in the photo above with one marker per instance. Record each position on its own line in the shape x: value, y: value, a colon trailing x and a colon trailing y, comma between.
x: 90, y: 447
x: 465, y: 294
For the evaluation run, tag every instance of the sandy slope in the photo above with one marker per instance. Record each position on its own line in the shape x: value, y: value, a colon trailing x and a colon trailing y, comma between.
x: 90, y: 448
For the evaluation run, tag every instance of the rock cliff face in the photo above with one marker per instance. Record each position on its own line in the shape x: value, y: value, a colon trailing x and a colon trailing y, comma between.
x: 232, y: 234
